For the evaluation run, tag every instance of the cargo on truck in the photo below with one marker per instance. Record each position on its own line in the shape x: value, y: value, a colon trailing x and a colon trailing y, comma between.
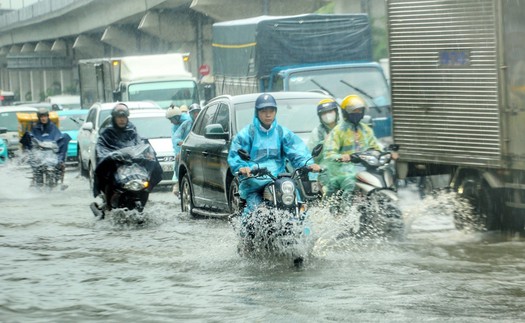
x: 164, y: 79
x: 457, y: 73
x: 311, y: 52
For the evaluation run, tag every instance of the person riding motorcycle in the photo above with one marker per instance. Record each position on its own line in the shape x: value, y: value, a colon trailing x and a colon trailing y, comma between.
x: 328, y: 118
x: 347, y: 137
x: 45, y: 130
x: 119, y: 134
x: 269, y: 145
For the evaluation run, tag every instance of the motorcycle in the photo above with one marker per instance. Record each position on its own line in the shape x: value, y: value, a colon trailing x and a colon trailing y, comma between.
x: 126, y: 177
x: 375, y: 194
x: 279, y: 225
x: 45, y: 163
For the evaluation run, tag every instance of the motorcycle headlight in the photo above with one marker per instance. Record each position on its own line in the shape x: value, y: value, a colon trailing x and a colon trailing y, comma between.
x: 384, y: 159
x: 136, y: 185
x: 287, y: 187
x: 371, y: 160
x: 288, y: 190
x: 288, y: 199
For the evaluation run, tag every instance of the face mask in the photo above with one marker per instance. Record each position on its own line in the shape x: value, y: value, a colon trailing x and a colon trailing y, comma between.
x: 329, y: 117
x: 355, y: 117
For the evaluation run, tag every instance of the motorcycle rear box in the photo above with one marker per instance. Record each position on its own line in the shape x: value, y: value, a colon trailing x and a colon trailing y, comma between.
x: 26, y: 120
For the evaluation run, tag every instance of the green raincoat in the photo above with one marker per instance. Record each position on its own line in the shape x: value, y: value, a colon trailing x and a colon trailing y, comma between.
x: 345, y: 138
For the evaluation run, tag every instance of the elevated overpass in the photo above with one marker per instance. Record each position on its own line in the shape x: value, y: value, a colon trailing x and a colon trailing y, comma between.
x: 41, y: 44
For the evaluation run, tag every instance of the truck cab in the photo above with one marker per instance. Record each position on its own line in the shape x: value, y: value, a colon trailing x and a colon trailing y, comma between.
x: 164, y: 79
x: 339, y: 80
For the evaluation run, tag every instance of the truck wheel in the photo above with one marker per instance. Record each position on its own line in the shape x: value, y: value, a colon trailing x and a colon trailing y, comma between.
x: 186, y: 202
x: 425, y: 186
x: 484, y: 202
x: 514, y: 221
x: 233, y: 197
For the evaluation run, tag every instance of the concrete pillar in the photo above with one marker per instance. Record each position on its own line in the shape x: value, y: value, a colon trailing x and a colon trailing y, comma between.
x: 66, y: 80
x: 14, y: 82
x: 36, y: 86
x: 25, y: 85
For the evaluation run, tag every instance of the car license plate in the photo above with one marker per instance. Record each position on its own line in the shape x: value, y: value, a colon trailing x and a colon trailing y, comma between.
x: 167, y: 167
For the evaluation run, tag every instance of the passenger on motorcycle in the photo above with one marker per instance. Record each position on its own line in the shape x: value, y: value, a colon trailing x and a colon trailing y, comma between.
x: 328, y: 117
x: 346, y: 138
x: 119, y: 134
x: 45, y: 130
x: 270, y: 145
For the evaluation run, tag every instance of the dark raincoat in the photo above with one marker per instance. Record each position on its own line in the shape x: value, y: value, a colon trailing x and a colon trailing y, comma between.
x: 47, y: 132
x: 111, y: 139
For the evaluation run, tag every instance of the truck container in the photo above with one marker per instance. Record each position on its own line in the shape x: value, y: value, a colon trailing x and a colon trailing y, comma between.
x: 311, y: 52
x: 164, y: 79
x: 457, y: 75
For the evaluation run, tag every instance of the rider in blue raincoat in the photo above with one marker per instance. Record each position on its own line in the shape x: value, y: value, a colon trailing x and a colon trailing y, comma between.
x: 269, y: 145
x: 177, y: 118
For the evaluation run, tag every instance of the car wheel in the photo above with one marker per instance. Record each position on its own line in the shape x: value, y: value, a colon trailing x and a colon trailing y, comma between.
x: 186, y: 203
x: 91, y: 176
x: 81, y: 169
x: 233, y: 197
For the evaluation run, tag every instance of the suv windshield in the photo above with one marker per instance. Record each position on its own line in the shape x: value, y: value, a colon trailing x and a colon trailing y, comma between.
x: 298, y: 115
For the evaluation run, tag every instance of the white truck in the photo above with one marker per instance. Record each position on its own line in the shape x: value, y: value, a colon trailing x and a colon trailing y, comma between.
x: 457, y: 73
x: 164, y: 79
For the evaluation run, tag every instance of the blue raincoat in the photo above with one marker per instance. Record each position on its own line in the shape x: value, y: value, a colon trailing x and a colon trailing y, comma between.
x: 177, y: 136
x: 269, y: 148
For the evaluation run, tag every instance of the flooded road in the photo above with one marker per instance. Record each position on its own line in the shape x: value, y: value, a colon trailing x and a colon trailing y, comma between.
x: 59, y: 264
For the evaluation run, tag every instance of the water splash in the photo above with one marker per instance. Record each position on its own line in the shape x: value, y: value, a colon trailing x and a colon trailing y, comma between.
x: 445, y: 205
x: 273, y: 234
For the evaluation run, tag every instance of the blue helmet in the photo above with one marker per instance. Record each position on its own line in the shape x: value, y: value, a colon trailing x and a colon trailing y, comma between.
x: 265, y: 101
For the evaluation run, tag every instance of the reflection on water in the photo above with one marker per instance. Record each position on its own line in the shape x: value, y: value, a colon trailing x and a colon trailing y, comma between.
x: 59, y: 264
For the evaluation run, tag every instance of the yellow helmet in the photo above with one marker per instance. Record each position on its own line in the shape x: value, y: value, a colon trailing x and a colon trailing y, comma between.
x: 352, y: 102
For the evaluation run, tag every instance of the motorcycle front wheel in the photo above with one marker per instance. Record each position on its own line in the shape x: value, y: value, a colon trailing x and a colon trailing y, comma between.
x: 381, y: 216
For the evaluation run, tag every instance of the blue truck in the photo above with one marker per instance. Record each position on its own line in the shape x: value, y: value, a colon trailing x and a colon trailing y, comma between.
x: 311, y: 52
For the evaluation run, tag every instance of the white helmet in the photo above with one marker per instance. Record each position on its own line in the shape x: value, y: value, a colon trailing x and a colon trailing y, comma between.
x: 173, y: 112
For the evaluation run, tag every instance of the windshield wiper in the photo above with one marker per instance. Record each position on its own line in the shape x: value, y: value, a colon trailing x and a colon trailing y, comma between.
x: 322, y: 87
x: 363, y: 93
x: 75, y: 121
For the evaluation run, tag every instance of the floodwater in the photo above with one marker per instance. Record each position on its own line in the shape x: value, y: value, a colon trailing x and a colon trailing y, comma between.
x: 59, y: 264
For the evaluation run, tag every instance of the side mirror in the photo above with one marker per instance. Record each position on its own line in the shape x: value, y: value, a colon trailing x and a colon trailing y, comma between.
x: 215, y: 131
x: 317, y: 150
x: 393, y: 147
x: 88, y: 126
x: 244, y: 154
x: 367, y: 119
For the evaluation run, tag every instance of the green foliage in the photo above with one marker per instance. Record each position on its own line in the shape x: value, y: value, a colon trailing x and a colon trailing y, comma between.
x: 379, y: 40
x: 379, y: 34
x: 327, y: 9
